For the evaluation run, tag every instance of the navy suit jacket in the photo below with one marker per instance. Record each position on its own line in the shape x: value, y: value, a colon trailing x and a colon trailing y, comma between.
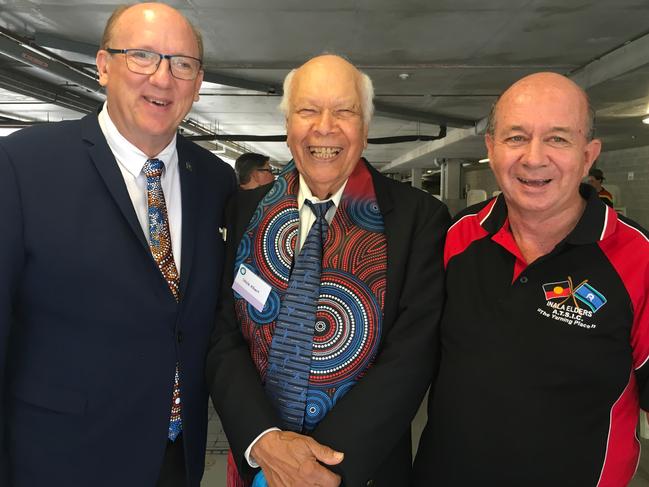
x: 89, y: 331
x: 371, y: 423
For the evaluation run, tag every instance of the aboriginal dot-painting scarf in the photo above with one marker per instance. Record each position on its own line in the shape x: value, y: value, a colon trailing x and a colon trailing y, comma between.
x: 352, y: 290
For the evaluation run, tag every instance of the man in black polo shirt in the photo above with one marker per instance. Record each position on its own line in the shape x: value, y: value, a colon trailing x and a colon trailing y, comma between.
x: 545, y: 335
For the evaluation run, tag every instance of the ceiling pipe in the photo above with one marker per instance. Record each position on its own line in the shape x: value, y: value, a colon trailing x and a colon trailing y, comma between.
x: 282, y: 138
x: 27, y: 52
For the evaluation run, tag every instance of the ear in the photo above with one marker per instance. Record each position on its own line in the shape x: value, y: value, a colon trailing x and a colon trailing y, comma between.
x: 102, y: 66
x: 197, y: 84
x: 366, y: 131
x: 489, y: 143
x: 286, y: 128
x: 591, y: 153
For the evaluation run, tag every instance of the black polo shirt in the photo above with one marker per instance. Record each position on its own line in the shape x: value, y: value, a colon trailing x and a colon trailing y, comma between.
x: 543, y: 366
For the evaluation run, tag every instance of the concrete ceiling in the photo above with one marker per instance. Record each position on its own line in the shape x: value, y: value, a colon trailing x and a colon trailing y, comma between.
x: 458, y: 55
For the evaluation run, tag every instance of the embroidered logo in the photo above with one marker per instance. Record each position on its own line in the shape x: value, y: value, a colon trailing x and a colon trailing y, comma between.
x: 571, y: 304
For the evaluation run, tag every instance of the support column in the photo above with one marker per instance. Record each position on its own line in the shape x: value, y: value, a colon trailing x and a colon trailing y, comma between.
x: 415, y: 177
x: 450, y: 185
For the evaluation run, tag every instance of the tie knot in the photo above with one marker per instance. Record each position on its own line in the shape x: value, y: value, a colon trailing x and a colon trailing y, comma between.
x: 153, y: 168
x: 319, y: 209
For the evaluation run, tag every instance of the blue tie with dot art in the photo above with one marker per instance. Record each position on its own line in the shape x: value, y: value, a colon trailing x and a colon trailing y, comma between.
x: 160, y: 244
x: 289, y: 358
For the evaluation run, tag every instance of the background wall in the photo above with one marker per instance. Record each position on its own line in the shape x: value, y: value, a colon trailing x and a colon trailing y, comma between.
x: 634, y: 193
x: 480, y: 177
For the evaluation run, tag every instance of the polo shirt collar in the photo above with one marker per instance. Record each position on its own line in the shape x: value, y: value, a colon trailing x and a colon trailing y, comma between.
x: 595, y: 223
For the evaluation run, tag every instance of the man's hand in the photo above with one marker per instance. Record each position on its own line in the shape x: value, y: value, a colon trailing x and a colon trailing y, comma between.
x: 290, y: 460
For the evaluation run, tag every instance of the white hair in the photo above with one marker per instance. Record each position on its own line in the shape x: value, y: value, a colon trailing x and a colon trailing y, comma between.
x: 366, y: 95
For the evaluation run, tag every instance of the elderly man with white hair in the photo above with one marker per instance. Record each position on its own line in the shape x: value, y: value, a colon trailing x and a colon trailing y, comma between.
x: 323, y: 352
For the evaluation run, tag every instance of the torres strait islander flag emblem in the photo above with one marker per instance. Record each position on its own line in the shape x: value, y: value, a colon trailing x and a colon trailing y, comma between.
x: 590, y: 296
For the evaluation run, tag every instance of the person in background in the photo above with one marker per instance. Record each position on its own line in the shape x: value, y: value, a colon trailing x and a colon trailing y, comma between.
x: 317, y: 380
x: 545, y: 334
x: 595, y: 179
x: 253, y: 170
x: 110, y: 264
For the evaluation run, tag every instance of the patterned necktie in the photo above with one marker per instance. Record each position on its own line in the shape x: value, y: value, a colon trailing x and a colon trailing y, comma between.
x: 160, y: 243
x: 289, y: 358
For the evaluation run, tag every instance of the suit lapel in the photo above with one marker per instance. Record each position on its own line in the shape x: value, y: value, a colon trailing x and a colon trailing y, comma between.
x: 382, y: 191
x: 394, y: 236
x: 188, y: 191
x: 106, y: 165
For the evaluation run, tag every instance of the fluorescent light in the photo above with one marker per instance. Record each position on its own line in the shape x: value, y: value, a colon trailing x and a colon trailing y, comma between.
x: 482, y: 161
x: 645, y: 120
x: 7, y: 131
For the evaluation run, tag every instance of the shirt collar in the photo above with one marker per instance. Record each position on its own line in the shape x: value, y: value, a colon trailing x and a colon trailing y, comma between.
x: 304, y: 193
x: 125, y: 152
x: 595, y: 223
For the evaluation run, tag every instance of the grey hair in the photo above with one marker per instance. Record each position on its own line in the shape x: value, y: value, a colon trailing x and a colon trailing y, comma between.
x: 366, y: 95
x: 590, y: 118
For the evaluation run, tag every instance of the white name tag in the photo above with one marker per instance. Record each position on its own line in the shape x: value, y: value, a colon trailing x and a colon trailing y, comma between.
x: 251, y: 287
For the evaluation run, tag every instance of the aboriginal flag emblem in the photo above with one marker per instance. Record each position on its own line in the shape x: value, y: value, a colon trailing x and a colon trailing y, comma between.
x: 554, y: 290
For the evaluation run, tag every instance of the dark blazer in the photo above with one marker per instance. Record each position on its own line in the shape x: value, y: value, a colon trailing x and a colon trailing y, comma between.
x: 89, y: 331
x: 371, y: 423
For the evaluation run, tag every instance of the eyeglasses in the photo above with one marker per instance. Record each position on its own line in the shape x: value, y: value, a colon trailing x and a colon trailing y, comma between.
x: 271, y: 170
x: 141, y: 61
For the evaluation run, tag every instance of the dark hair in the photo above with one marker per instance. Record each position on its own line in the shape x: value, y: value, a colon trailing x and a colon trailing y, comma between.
x: 596, y: 173
x: 248, y: 162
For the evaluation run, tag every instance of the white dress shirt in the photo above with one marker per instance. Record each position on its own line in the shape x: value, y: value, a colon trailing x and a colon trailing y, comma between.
x: 307, y: 219
x: 130, y: 161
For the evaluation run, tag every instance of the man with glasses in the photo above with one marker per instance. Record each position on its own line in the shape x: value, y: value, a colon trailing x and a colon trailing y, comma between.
x: 110, y: 261
x: 253, y: 170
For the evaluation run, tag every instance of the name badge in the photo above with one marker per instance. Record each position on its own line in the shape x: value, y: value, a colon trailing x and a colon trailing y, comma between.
x: 251, y: 287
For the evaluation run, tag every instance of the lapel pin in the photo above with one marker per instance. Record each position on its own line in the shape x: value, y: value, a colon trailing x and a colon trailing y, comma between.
x: 224, y: 233
x: 188, y: 166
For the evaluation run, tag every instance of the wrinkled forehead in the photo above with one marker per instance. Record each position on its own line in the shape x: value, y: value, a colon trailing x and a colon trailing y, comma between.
x: 330, y: 85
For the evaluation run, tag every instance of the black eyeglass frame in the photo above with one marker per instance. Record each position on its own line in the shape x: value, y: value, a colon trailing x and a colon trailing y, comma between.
x: 157, y: 65
x: 271, y: 170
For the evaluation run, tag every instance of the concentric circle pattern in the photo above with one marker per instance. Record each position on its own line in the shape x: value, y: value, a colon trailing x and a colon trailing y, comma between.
x: 270, y: 311
x: 256, y: 218
x: 276, y: 192
x: 366, y: 215
x: 346, y: 335
x: 243, y: 251
x: 318, y: 404
x: 279, y: 229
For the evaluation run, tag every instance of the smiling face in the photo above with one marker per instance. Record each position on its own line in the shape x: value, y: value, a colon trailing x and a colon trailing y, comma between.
x: 325, y: 128
x: 147, y: 109
x: 539, y: 150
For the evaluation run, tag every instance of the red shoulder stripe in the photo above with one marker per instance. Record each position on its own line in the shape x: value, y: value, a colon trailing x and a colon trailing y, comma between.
x: 465, y: 231
x: 622, y: 446
x: 627, y: 249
